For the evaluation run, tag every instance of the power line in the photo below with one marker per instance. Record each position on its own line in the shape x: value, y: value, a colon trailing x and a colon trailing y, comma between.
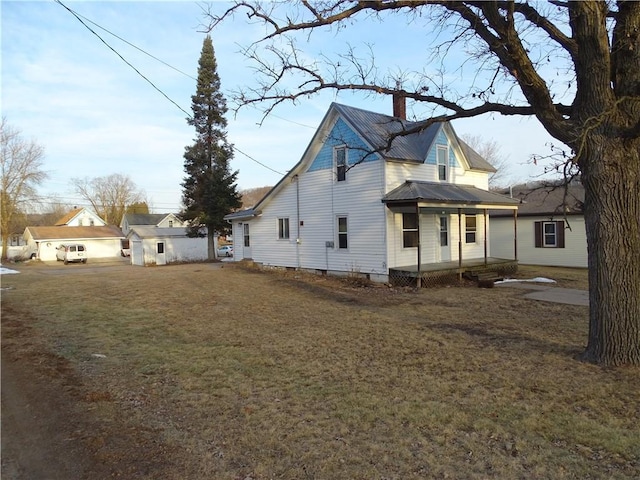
x: 121, y: 57
x: 80, y: 19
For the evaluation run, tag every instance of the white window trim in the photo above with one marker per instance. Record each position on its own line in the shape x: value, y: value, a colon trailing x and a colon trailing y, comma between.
x: 417, y: 229
x: 336, y: 148
x: 338, y: 233
x: 466, y: 230
x: 444, y: 148
x: 282, y: 230
x: 544, y: 235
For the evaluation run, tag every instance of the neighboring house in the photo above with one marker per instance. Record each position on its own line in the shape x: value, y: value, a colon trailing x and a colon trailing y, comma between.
x: 100, y: 241
x: 550, y: 226
x: 81, y: 217
x: 351, y: 207
x: 151, y: 245
x: 159, y: 220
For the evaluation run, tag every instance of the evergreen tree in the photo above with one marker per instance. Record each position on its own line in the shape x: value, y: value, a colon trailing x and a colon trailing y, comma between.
x: 209, y: 188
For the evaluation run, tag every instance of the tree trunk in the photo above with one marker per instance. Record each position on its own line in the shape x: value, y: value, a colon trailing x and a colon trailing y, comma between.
x: 5, y: 246
x: 211, y: 246
x: 611, y: 177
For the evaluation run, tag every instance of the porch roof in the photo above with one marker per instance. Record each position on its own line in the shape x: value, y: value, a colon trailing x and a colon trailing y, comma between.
x: 438, y: 195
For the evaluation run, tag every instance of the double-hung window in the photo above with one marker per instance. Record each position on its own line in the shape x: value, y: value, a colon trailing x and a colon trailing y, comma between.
x: 549, y: 234
x: 283, y: 229
x: 245, y: 231
x: 343, y: 242
x: 470, y: 228
x: 442, y: 153
x: 340, y: 158
x: 409, y: 230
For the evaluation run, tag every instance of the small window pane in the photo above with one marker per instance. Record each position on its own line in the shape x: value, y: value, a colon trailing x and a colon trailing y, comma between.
x: 550, y: 234
x: 342, y: 232
x: 470, y: 224
x: 409, y: 230
x: 283, y: 228
x: 442, y: 153
x: 444, y: 232
x: 341, y: 163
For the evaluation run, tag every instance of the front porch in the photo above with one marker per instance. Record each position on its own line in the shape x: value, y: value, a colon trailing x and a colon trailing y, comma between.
x: 443, y: 272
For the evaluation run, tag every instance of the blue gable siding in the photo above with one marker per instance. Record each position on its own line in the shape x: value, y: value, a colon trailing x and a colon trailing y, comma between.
x: 441, y: 139
x: 341, y: 134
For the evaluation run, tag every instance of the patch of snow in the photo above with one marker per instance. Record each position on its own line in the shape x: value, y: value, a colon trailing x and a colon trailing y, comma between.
x: 98, y: 355
x: 536, y: 280
x: 5, y: 270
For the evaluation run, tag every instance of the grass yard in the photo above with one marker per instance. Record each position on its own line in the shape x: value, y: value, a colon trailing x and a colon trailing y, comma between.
x: 232, y: 373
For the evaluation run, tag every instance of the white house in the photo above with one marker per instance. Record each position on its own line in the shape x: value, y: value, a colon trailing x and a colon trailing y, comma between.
x: 78, y: 226
x: 151, y: 245
x: 550, y: 226
x: 355, y: 205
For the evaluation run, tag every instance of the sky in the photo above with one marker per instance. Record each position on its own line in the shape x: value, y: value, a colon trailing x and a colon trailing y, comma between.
x: 95, y: 115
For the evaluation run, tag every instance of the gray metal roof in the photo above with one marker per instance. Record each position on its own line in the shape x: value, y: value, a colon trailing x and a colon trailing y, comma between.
x: 248, y: 213
x: 145, y: 218
x: 377, y: 128
x: 431, y: 192
x: 553, y: 199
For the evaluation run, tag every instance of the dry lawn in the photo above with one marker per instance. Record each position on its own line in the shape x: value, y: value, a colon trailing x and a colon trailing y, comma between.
x: 243, y: 374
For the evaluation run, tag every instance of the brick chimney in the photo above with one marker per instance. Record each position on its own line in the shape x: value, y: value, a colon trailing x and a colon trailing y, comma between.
x: 399, y: 105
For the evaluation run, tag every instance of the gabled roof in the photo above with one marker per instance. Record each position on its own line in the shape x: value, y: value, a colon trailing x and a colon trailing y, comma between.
x: 376, y: 129
x: 69, y: 216
x: 145, y: 218
x: 550, y: 200
x: 446, y: 193
x: 62, y: 233
x: 154, y: 232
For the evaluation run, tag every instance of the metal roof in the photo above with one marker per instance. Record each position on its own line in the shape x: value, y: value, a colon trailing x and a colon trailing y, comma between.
x: 155, y: 232
x: 446, y: 193
x: 551, y: 199
x: 145, y: 218
x: 248, y: 213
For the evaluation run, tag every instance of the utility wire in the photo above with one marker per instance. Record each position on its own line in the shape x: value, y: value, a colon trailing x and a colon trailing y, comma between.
x: 80, y: 19
x: 121, y: 57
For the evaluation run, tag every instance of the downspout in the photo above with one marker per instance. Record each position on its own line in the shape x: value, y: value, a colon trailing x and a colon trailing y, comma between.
x: 297, y: 179
x: 419, y: 279
x: 460, y: 244
x: 485, y: 237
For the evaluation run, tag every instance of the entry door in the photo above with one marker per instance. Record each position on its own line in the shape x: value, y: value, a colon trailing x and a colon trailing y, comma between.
x: 161, y: 258
x: 443, y: 239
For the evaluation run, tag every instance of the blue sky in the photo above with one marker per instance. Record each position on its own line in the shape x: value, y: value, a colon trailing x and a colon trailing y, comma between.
x: 95, y: 116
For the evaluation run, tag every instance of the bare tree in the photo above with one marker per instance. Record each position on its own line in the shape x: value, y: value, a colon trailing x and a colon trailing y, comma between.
x: 575, y: 66
x: 21, y: 170
x: 109, y: 196
x: 490, y: 151
x: 251, y: 196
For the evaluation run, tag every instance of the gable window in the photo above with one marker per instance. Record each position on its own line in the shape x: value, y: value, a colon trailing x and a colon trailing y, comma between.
x: 170, y: 223
x: 283, y: 228
x: 549, y: 234
x: 342, y: 232
x: 340, y: 156
x: 409, y: 230
x: 470, y: 228
x: 245, y: 231
x: 442, y: 158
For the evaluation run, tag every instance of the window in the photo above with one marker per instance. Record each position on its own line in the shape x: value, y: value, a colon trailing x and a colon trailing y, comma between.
x: 549, y: 234
x: 342, y: 232
x: 443, y: 154
x: 283, y: 228
x: 409, y: 230
x: 340, y: 155
x: 91, y: 222
x: 470, y: 228
x: 444, y: 231
x: 245, y: 230
x: 160, y: 247
x: 170, y: 223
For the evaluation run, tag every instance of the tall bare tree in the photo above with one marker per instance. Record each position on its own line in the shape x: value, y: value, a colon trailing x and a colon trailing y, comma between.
x: 21, y: 170
x: 525, y: 59
x: 109, y: 196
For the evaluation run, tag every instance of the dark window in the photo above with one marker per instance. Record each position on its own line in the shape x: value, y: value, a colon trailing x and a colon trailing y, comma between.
x: 170, y: 223
x: 246, y: 235
x: 470, y: 229
x: 81, y: 248
x: 341, y: 163
x: 283, y: 228
x: 342, y: 232
x: 160, y: 247
x: 409, y: 230
x: 549, y: 234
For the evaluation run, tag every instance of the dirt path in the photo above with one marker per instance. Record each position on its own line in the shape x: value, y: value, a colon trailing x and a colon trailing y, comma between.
x: 41, y: 427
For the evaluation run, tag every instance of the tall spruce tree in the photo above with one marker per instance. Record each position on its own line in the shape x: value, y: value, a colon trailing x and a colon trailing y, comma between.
x: 209, y: 189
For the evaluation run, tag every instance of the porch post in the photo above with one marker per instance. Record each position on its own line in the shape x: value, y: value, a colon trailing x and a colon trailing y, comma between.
x: 485, y: 237
x: 460, y: 244
x: 419, y: 279
x: 515, y: 235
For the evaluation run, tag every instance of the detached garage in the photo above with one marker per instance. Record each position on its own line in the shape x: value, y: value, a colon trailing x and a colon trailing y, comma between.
x: 100, y: 242
x: 151, y: 245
